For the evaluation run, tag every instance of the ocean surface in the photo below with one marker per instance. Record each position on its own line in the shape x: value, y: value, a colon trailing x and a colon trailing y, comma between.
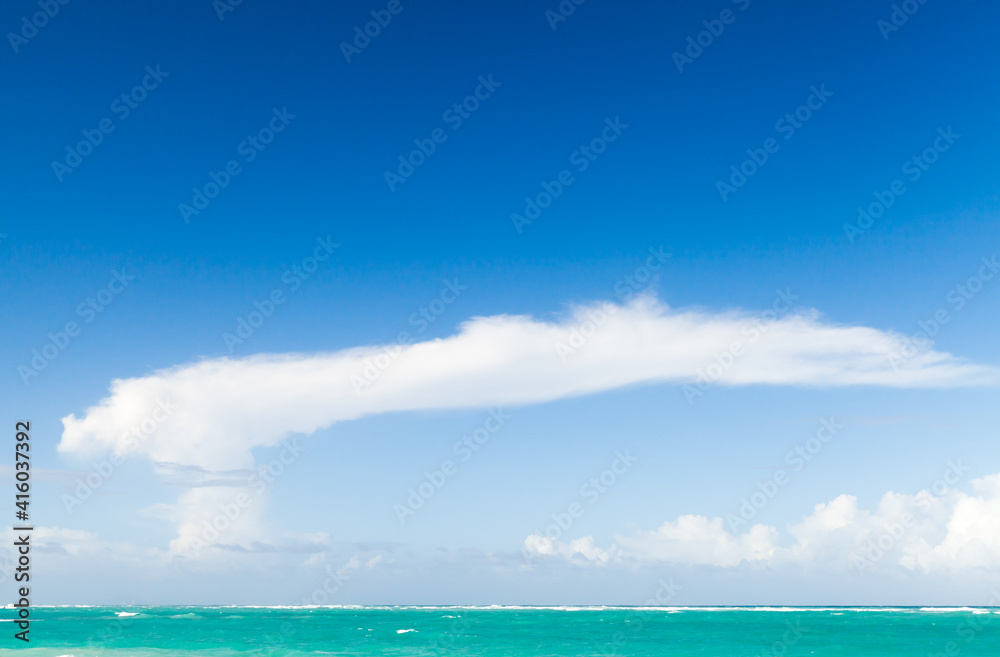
x: 509, y: 631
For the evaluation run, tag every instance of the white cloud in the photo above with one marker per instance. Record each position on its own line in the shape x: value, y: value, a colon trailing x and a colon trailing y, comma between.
x: 209, y: 516
x: 584, y: 547
x: 941, y: 530
x: 225, y: 407
x: 697, y: 540
x: 973, y: 532
x: 202, y: 420
x: 71, y: 544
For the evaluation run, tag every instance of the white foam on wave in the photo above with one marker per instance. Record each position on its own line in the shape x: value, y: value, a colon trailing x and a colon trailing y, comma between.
x: 314, y: 607
x: 673, y: 610
x: 405, y: 631
x: 834, y: 610
x: 571, y: 608
x: 126, y: 614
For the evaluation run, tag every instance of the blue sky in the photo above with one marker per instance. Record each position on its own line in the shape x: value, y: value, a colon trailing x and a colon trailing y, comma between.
x: 444, y: 240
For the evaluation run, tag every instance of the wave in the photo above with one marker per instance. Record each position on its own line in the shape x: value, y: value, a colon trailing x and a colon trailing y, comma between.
x: 189, y: 609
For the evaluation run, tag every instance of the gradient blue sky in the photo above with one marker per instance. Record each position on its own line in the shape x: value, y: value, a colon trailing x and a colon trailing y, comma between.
x: 451, y: 220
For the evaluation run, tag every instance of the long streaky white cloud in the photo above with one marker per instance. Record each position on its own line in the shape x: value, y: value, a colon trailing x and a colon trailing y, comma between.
x: 220, y: 409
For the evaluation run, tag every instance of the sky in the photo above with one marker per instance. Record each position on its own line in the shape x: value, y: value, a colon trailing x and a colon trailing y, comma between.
x: 509, y: 303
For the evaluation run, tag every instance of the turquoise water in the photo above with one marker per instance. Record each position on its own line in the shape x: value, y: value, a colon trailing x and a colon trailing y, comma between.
x: 556, y: 631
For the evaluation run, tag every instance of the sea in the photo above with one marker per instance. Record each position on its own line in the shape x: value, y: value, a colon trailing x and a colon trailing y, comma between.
x: 508, y: 631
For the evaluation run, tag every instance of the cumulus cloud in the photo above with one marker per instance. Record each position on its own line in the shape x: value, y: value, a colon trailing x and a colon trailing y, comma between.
x: 972, y: 536
x: 938, y: 530
x: 582, y: 547
x: 697, y: 540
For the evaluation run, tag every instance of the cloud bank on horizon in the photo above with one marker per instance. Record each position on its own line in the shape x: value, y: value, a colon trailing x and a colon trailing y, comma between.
x: 938, y: 529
